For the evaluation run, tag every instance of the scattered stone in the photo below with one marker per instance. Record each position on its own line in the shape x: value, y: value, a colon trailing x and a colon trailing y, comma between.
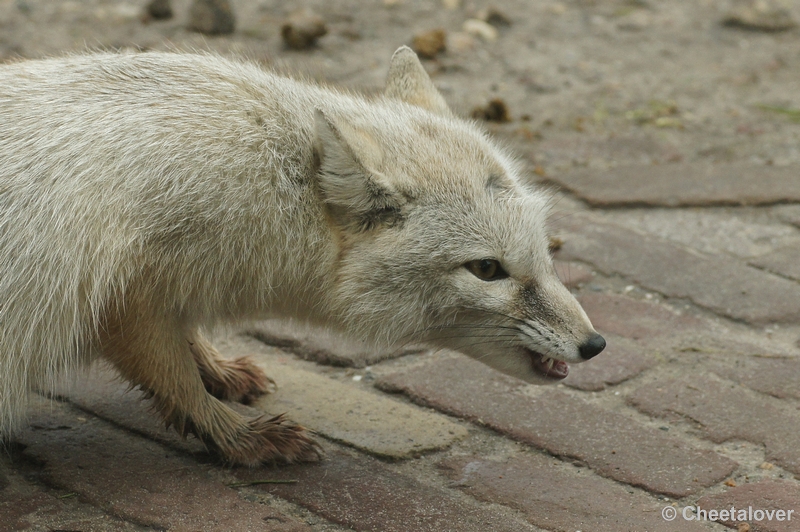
x: 481, y: 29
x: 637, y: 20
x: 212, y: 17
x: 429, y: 44
x: 760, y: 15
x: 495, y: 111
x: 494, y: 16
x: 555, y: 244
x: 451, y: 4
x: 302, y: 29
x: 460, y: 42
x: 159, y: 10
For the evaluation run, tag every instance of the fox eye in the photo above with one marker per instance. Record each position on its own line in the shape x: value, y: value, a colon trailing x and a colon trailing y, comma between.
x: 486, y: 269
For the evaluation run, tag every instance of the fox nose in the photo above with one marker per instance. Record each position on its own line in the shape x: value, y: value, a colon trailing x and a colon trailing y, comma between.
x: 592, y: 347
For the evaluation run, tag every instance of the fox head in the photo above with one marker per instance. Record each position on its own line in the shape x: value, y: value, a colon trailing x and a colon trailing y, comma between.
x: 439, y: 238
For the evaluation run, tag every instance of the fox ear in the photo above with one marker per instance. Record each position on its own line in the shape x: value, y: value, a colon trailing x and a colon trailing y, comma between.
x: 408, y: 81
x: 357, y: 195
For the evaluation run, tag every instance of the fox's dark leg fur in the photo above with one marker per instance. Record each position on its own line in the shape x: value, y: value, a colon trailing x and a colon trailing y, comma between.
x: 238, y: 380
x: 153, y: 353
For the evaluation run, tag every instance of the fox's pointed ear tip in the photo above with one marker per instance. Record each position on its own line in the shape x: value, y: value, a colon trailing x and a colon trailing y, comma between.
x: 404, y: 51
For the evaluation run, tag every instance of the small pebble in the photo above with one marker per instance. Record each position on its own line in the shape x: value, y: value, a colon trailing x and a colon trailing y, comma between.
x: 159, y: 10
x: 302, y: 29
x: 494, y: 16
x: 481, y: 29
x: 635, y: 21
x: 212, y: 17
x: 460, y: 42
x: 429, y: 44
x: 759, y: 15
x: 495, y: 111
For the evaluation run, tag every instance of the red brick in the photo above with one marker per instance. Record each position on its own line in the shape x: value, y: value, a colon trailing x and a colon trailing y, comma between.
x: 774, y: 376
x: 137, y: 479
x: 635, y: 318
x: 18, y: 511
x: 558, y: 497
x: 364, y: 494
x: 620, y: 361
x: 563, y: 425
x: 721, y: 284
x: 726, y: 411
x: 102, y: 392
x: 783, y: 261
x: 322, y: 345
x: 573, y: 274
x: 765, y: 495
x: 688, y: 184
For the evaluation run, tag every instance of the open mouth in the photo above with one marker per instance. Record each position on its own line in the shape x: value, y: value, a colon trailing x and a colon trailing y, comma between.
x: 547, y: 367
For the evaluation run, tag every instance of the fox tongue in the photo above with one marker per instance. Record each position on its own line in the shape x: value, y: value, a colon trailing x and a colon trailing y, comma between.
x: 558, y: 370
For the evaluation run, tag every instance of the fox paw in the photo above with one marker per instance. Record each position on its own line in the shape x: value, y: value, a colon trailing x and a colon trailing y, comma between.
x: 271, y: 440
x: 238, y: 380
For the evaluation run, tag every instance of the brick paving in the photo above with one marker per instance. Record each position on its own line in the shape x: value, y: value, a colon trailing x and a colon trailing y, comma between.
x: 684, y: 185
x: 774, y: 498
x: 695, y: 402
x: 726, y: 411
x: 595, y: 436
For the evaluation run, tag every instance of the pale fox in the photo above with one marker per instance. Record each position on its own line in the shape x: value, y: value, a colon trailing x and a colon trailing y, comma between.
x: 145, y: 198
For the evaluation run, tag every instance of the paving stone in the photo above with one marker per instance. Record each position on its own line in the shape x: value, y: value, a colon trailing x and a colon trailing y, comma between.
x: 558, y: 497
x: 562, y: 425
x: 341, y: 412
x: 726, y: 411
x: 364, y: 420
x: 723, y: 285
x: 564, y: 149
x: 573, y: 274
x: 636, y: 319
x: 39, y: 511
x: 322, y: 345
x: 772, y: 495
x: 622, y: 360
x: 101, y: 392
x: 138, y: 479
x: 680, y: 185
x: 783, y: 261
x: 778, y: 377
x: 364, y: 494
